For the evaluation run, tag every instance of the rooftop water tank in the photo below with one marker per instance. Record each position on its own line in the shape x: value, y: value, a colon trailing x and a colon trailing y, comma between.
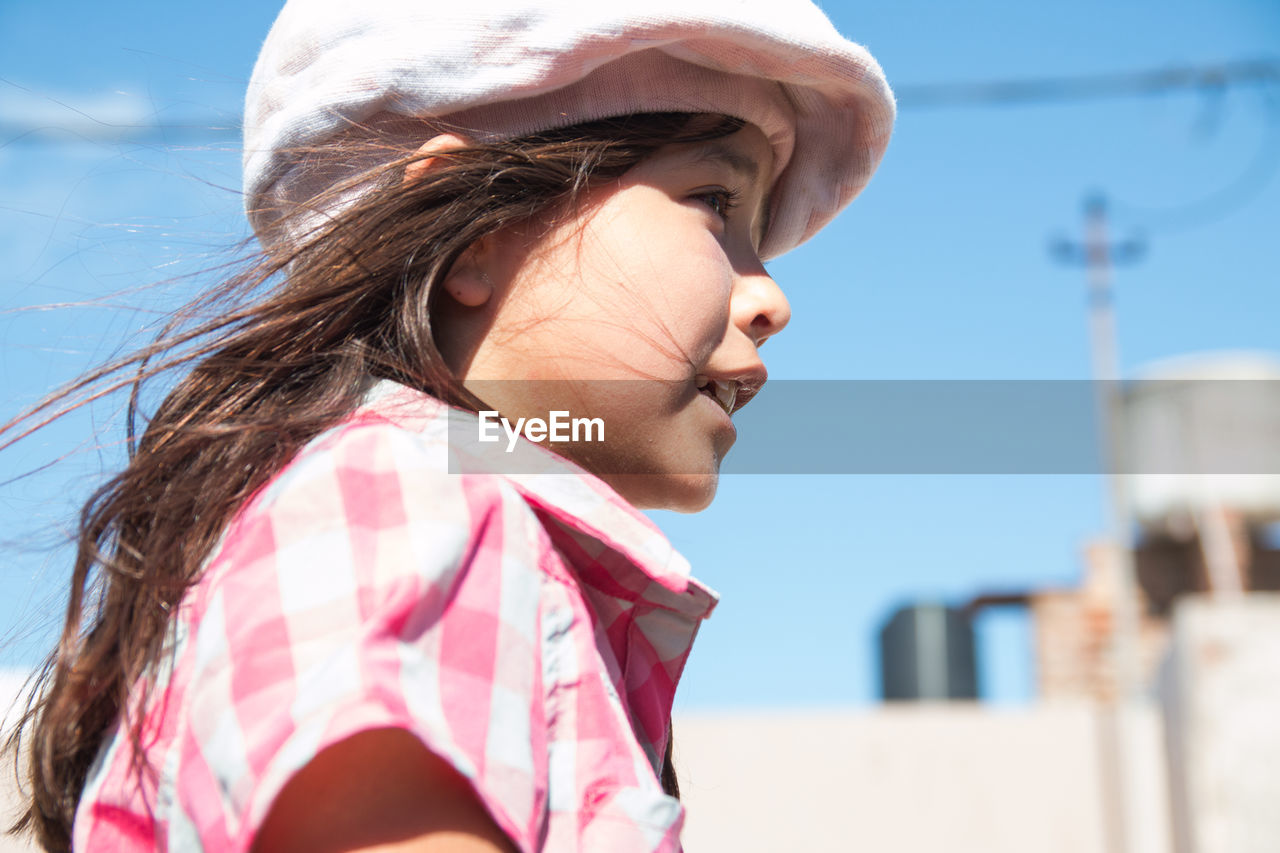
x: 1203, y: 430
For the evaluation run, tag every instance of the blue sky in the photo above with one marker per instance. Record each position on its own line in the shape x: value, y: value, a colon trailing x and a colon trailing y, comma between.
x: 941, y: 270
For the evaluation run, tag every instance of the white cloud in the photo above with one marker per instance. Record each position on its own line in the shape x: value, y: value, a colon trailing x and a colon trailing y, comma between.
x: 99, y: 114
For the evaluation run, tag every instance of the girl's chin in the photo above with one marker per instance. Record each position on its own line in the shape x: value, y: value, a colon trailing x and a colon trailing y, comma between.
x: 677, y: 492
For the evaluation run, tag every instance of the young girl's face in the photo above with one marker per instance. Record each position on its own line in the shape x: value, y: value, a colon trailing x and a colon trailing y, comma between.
x: 651, y: 301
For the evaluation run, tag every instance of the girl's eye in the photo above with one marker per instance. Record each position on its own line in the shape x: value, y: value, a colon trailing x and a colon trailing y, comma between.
x: 720, y: 200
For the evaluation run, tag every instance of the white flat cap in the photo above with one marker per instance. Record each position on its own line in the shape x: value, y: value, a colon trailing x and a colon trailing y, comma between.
x: 505, y: 68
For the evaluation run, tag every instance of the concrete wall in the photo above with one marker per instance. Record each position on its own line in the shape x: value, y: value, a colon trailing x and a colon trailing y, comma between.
x: 963, y: 778
x: 1222, y: 690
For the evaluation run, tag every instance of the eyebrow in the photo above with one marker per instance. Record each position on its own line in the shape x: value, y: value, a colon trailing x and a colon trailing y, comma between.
x: 748, y: 168
x: 722, y: 153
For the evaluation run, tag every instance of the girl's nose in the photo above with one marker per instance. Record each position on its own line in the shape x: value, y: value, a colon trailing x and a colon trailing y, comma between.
x: 759, y: 307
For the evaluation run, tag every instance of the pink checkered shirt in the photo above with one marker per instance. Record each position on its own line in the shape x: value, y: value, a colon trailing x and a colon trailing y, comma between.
x: 529, y: 628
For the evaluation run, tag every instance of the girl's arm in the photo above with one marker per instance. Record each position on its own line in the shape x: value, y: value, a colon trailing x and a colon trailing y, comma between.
x: 379, y: 790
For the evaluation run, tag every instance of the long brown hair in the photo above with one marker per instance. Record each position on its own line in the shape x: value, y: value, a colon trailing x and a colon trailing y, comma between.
x: 275, y: 355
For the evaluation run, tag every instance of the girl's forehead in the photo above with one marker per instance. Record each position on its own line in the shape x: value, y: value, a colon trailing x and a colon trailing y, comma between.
x: 746, y: 151
x: 746, y: 164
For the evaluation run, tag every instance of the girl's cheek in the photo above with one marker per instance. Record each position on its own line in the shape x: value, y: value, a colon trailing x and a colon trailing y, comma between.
x: 704, y: 297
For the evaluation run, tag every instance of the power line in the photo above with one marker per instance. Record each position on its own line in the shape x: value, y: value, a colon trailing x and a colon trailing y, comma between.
x: 202, y: 130
x: 1249, y: 183
x: 196, y: 131
x: 80, y: 126
x: 1212, y: 80
x: 60, y: 121
x: 1208, y: 78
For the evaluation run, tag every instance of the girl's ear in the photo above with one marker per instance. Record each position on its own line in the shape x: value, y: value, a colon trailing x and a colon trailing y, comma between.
x: 467, y: 281
x: 428, y: 150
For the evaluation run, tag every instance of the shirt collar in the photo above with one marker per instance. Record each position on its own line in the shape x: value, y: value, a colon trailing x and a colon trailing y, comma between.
x: 651, y: 569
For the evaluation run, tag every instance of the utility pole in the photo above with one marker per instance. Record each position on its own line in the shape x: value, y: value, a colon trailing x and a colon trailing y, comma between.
x: 1098, y: 256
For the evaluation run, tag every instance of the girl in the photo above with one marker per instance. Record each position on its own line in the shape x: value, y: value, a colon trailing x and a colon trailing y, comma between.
x: 321, y: 609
